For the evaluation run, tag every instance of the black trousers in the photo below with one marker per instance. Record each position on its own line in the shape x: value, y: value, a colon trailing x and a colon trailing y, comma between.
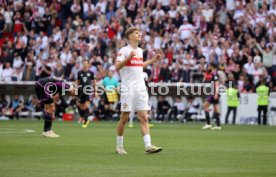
x: 229, y: 110
x: 264, y: 110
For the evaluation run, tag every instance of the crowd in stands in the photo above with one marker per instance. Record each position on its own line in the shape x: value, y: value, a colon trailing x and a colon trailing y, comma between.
x: 43, y: 38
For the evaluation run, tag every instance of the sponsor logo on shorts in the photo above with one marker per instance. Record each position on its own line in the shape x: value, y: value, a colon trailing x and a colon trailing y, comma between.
x: 125, y: 106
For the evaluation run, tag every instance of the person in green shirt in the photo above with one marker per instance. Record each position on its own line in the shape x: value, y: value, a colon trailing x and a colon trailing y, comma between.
x: 263, y: 95
x: 233, y: 96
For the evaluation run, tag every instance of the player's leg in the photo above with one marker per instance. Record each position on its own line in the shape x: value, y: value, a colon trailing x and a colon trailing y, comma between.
x: 141, y: 104
x: 81, y: 113
x: 120, y: 132
x: 49, y: 116
x: 85, y: 109
x: 217, y: 117
x: 207, y: 115
x: 126, y: 108
x: 143, y: 119
x: 131, y: 117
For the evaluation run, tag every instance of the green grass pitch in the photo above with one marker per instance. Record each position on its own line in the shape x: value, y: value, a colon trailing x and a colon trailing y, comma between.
x: 236, y: 151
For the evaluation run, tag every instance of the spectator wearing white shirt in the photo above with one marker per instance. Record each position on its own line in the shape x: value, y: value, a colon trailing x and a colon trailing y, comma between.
x: 17, y: 61
x: 87, y: 5
x: 102, y: 4
x: 94, y: 27
x: 185, y: 29
x: 177, y: 109
x: 8, y: 14
x: 158, y: 12
x: 65, y: 56
x: 17, y: 74
x: 74, y: 72
x: 7, y: 73
x: 249, y: 66
x: 1, y: 71
x: 42, y: 40
x: 257, y: 72
x: 192, y: 108
x: 208, y: 14
x: 172, y: 12
x: 157, y: 41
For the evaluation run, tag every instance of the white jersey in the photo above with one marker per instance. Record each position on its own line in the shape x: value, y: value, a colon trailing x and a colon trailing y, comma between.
x: 132, y: 76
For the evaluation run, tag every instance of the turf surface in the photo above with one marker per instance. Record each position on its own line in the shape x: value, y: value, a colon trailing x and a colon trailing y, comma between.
x: 236, y: 151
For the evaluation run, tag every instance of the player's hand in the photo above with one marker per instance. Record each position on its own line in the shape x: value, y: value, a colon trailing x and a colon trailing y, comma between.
x: 132, y: 54
x: 158, y: 55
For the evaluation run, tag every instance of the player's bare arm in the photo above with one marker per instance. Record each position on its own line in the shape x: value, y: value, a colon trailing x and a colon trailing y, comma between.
x: 156, y: 58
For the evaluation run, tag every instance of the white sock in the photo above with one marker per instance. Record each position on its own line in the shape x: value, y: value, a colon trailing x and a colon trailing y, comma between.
x: 120, y: 140
x: 147, y: 140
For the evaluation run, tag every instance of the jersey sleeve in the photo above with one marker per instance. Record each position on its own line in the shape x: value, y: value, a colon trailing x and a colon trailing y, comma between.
x: 120, y: 55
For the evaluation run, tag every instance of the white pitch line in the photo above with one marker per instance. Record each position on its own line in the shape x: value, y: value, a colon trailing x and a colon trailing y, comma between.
x: 18, y: 131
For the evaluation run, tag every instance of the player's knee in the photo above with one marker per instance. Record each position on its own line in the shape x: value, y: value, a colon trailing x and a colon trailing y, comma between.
x: 124, y: 117
x: 143, y: 119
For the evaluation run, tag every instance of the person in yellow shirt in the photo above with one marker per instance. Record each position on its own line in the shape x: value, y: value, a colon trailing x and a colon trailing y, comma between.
x: 233, y: 96
x: 263, y: 95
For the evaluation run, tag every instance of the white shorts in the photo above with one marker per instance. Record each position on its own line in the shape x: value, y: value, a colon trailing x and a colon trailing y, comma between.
x: 135, y: 101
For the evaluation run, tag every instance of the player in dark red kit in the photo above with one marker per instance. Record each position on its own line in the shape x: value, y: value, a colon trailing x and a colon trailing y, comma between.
x: 46, y: 89
x: 213, y: 99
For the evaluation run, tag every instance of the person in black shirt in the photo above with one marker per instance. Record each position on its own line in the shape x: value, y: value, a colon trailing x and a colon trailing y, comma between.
x: 2, y: 25
x: 46, y: 89
x: 163, y: 107
x: 213, y: 99
x: 85, y: 81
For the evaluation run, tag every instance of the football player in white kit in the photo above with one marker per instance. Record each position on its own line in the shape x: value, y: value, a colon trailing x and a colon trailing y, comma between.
x: 134, y: 94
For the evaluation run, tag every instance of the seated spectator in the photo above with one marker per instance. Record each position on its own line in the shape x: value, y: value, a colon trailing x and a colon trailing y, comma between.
x: 177, y: 109
x: 17, y: 74
x: 163, y: 107
x: 61, y: 105
x: 3, y: 106
x: 192, y: 108
x: 7, y: 73
x: 32, y: 104
x: 16, y: 106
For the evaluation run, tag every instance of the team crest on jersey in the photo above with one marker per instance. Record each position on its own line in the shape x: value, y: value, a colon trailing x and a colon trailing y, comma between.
x: 125, y: 106
x: 84, y: 79
x: 88, y: 74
